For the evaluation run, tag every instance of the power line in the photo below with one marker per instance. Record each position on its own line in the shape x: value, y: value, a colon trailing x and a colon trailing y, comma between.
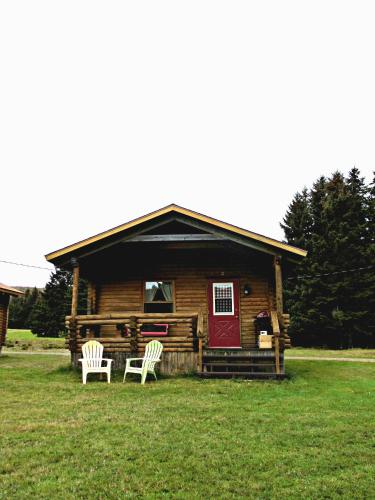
x: 290, y: 278
x: 331, y: 274
x: 26, y: 265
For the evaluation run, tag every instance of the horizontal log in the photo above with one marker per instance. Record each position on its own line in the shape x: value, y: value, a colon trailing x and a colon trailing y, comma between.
x: 140, y: 352
x: 137, y: 314
x: 171, y: 346
x: 164, y: 338
x: 103, y: 339
x: 88, y: 322
x: 166, y: 320
x: 173, y: 331
x: 140, y: 338
x: 169, y: 349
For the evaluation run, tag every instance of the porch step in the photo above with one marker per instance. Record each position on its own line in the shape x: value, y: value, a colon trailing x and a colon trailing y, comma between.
x: 249, y: 364
x: 266, y: 354
x: 238, y: 365
x: 246, y: 375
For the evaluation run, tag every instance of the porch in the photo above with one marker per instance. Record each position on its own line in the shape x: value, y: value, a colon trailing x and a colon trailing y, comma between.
x: 185, y: 343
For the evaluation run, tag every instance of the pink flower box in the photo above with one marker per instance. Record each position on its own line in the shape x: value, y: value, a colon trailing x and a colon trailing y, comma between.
x: 159, y: 332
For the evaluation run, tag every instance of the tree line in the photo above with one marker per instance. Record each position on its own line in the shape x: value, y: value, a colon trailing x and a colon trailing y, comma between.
x: 43, y: 312
x: 331, y: 293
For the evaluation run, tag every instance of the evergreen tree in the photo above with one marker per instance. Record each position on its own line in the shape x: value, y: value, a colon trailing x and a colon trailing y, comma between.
x: 370, y: 274
x: 297, y: 226
x: 297, y: 221
x: 48, y: 318
x: 371, y: 221
x: 336, y: 309
x: 20, y: 308
x: 346, y: 234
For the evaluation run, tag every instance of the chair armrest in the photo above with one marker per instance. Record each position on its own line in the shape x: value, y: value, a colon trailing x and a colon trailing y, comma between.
x: 108, y: 360
x: 130, y: 360
x: 86, y: 360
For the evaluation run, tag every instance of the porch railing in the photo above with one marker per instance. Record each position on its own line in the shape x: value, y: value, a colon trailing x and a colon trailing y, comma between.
x: 124, y: 331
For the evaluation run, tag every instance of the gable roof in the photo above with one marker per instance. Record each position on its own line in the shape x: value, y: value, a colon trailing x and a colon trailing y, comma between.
x: 9, y: 290
x: 170, y: 209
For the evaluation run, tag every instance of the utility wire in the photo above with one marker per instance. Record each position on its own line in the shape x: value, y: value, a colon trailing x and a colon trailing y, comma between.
x: 331, y: 274
x: 26, y: 265
x: 290, y: 278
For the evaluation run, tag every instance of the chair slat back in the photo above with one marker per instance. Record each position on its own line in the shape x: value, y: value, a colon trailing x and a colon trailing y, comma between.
x: 92, y: 352
x: 152, y: 353
x: 153, y: 350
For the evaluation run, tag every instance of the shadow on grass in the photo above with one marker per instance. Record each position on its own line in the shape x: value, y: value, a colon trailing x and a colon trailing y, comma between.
x: 63, y: 370
x: 292, y: 375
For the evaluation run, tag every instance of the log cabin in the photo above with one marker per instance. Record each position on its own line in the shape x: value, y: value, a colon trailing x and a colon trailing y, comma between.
x: 194, y: 283
x: 6, y: 292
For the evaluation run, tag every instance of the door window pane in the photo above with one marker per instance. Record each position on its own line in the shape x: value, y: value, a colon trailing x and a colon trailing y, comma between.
x: 223, y: 298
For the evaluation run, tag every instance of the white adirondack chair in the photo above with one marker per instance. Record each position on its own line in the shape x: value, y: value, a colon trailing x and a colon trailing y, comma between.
x: 92, y: 360
x: 152, y: 356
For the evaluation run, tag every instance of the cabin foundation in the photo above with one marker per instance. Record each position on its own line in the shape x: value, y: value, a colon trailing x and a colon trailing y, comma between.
x: 172, y: 363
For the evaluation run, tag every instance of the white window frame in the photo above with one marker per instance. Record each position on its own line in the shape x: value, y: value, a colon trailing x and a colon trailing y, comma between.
x: 231, y: 313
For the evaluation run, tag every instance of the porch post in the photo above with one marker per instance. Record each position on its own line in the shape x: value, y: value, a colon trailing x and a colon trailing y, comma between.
x: 74, y: 308
x: 73, y: 321
x: 279, y: 309
x: 278, y: 286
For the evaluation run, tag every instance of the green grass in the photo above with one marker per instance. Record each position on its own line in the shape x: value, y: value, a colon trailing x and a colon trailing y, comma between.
x: 330, y: 353
x: 24, y: 340
x: 14, y: 334
x: 312, y: 436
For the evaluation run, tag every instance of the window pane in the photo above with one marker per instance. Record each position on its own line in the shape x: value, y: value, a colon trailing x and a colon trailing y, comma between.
x: 223, y: 298
x: 158, y: 308
x: 158, y: 291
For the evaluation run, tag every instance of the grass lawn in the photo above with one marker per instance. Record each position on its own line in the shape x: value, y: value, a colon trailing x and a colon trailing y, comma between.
x: 328, y: 353
x: 311, y: 436
x: 24, y: 340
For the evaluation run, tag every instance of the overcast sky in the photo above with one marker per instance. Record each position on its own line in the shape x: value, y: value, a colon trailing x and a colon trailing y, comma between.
x: 112, y: 109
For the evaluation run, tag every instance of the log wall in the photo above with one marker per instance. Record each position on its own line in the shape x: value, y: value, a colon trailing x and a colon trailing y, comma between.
x: 4, y: 301
x: 190, y: 272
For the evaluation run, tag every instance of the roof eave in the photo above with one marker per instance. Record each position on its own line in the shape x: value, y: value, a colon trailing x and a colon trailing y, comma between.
x: 55, y: 256
x: 11, y: 291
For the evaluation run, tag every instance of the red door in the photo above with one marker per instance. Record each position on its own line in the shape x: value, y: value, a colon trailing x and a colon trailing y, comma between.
x: 223, y: 313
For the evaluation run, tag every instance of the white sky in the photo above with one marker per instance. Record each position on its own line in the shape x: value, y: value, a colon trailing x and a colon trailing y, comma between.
x: 112, y: 109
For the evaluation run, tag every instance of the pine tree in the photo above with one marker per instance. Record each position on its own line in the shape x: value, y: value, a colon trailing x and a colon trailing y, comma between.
x: 20, y: 308
x: 334, y: 310
x: 370, y: 254
x: 297, y: 226
x: 345, y: 232
x: 297, y: 221
x: 304, y: 296
x: 48, y: 318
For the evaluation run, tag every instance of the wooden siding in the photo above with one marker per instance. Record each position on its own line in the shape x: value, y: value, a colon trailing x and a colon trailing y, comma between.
x: 3, y: 321
x: 190, y: 271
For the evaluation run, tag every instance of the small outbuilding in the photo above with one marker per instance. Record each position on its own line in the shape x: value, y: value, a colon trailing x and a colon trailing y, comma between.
x: 6, y: 292
x: 211, y: 292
